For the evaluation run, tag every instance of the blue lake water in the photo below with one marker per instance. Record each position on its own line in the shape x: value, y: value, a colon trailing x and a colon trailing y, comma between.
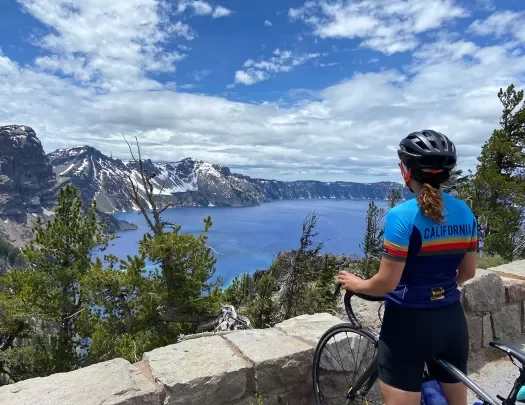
x: 249, y: 238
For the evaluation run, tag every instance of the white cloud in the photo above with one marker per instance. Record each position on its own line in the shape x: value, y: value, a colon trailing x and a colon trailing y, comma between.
x: 202, y: 8
x: 347, y: 131
x: 501, y: 23
x: 389, y: 26
x: 201, y: 74
x: 281, y: 61
x: 221, y: 12
x: 113, y: 44
x: 268, y: 23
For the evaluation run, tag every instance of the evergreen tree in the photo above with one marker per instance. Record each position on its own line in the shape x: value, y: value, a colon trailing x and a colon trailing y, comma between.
x: 394, y: 198
x: 42, y: 304
x: 373, y: 240
x: 498, y: 190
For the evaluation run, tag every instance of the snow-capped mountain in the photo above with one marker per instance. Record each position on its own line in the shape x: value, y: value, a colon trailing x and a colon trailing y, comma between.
x: 189, y: 182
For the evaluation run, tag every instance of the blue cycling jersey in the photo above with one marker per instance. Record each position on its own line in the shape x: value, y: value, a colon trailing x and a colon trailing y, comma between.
x: 431, y: 252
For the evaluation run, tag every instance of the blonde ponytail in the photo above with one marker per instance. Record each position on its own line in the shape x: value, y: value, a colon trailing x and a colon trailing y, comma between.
x: 431, y: 203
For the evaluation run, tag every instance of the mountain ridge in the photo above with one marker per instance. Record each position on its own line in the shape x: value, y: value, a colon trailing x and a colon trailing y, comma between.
x: 191, y: 182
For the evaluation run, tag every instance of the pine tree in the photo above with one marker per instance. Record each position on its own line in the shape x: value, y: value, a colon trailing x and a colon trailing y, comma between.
x: 498, y: 190
x: 42, y: 304
x: 373, y: 240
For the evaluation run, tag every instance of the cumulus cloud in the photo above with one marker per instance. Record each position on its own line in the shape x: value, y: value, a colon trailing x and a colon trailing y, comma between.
x: 281, y: 61
x: 221, y: 12
x: 389, y: 26
x: 501, y: 23
x: 113, y: 44
x: 202, y: 8
x: 347, y: 131
x: 268, y: 23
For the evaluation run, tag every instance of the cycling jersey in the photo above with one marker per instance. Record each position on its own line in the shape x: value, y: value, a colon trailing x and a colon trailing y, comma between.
x: 431, y: 251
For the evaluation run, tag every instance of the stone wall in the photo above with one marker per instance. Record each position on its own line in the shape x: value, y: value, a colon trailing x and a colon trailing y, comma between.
x: 231, y: 368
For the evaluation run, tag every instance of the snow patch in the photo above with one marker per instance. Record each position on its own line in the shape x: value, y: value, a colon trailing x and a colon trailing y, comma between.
x: 67, y: 170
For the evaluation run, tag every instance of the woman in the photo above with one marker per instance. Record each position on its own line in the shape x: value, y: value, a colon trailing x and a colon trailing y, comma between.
x: 429, y: 248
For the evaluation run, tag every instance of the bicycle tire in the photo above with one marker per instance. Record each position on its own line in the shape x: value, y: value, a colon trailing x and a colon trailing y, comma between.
x: 362, y: 381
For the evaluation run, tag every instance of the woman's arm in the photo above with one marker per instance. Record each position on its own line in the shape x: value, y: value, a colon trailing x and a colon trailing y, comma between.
x: 467, y: 268
x: 384, y: 282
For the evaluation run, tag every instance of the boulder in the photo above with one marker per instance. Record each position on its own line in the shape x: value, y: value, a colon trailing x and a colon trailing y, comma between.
x: 514, y: 290
x: 279, y: 360
x: 487, y: 330
x: 484, y: 293
x: 115, y: 382
x: 475, y: 329
x: 507, y: 322
x: 201, y: 371
x: 308, y: 328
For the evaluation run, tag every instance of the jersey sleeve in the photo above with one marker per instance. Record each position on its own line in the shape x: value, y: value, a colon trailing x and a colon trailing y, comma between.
x: 396, y: 236
x: 473, y: 244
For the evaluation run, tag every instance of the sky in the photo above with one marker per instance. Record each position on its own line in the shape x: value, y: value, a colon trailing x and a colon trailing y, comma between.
x: 284, y: 89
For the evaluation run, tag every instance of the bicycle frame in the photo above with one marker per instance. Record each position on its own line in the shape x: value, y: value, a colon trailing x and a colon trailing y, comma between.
x: 369, y: 376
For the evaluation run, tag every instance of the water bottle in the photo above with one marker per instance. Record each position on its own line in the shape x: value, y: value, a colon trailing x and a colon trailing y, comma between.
x: 431, y: 393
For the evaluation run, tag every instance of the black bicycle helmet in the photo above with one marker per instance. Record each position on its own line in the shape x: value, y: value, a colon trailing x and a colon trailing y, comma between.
x: 427, y: 150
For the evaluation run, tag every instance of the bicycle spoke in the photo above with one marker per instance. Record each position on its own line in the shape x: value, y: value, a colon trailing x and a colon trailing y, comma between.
x: 334, y: 378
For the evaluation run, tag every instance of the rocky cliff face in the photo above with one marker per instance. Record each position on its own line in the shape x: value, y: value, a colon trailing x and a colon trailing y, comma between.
x: 27, y: 180
x: 28, y: 185
x: 190, y: 183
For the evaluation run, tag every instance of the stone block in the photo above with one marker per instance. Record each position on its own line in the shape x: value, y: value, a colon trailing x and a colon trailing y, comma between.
x: 279, y: 360
x: 487, y: 330
x: 515, y: 269
x: 200, y: 372
x: 514, y: 290
x: 115, y: 382
x: 475, y: 330
x: 308, y: 328
x: 507, y: 322
x: 484, y: 293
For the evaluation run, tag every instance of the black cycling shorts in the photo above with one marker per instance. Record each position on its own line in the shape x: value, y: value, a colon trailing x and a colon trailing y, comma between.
x: 411, y: 337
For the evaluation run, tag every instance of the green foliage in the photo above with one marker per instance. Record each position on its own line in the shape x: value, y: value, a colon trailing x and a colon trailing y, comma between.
x: 394, y: 198
x: 373, y: 240
x: 486, y: 261
x: 42, y: 303
x: 298, y: 282
x: 496, y: 191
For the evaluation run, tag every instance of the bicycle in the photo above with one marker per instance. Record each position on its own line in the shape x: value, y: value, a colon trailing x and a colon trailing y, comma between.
x: 364, y: 383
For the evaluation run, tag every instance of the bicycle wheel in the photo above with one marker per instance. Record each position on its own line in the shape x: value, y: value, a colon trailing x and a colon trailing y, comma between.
x: 345, y: 367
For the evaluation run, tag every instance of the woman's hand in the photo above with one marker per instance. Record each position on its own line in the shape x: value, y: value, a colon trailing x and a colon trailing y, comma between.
x: 349, y: 281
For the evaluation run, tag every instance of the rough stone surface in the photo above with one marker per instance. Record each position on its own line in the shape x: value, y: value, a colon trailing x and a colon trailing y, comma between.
x: 199, y: 371
x: 507, y: 322
x: 487, y: 330
x: 484, y: 293
x: 279, y: 360
x: 475, y: 328
x: 115, y: 382
x: 514, y: 290
x: 514, y: 269
x: 308, y: 328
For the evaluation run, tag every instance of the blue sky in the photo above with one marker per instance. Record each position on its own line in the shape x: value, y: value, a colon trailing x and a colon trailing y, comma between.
x: 289, y: 89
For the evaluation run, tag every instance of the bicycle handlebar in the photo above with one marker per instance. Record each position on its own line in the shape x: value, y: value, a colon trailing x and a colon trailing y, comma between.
x: 348, y: 304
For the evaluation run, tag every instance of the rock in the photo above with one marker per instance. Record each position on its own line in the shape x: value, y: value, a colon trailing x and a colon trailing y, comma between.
x: 115, y: 382
x: 514, y: 269
x: 308, y: 328
x: 487, y: 330
x: 279, y: 360
x: 27, y: 182
x: 484, y: 293
x: 200, y: 372
x: 514, y: 290
x: 507, y: 322
x: 475, y: 329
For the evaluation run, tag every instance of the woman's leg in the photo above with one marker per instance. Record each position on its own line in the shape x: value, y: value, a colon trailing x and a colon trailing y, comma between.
x: 395, y: 396
x: 456, y: 394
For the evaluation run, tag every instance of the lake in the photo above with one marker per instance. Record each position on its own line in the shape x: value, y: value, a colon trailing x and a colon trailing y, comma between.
x: 249, y: 238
